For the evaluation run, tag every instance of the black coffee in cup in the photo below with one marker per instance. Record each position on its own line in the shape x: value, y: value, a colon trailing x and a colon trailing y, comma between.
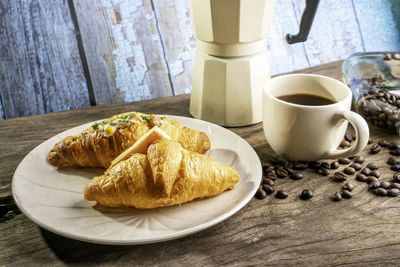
x: 306, y: 99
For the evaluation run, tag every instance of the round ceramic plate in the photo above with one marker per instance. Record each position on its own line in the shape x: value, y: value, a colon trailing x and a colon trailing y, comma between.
x: 53, y: 198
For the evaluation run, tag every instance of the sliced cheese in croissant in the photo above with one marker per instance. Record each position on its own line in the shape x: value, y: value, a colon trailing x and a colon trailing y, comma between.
x: 166, y: 175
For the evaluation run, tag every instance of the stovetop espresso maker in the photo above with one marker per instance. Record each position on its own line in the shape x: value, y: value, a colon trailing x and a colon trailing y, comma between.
x: 231, y: 63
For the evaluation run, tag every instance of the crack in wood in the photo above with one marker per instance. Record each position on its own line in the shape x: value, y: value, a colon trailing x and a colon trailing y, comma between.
x: 8, y: 208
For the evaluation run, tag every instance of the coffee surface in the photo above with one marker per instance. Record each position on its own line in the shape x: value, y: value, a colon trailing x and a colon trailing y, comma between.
x: 306, y: 99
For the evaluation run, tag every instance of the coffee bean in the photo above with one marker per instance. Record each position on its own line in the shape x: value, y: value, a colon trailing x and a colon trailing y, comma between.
x: 383, y: 143
x: 289, y: 170
x: 306, y: 194
x: 268, y: 189
x: 395, y: 167
x: 296, y: 176
x: 393, y: 192
x: 325, y: 165
x: 344, y: 161
x: 281, y: 172
x: 346, y: 194
x: 393, y: 145
x: 366, y: 171
x: 348, y: 186
x: 339, y: 177
x: 281, y: 194
x: 371, y: 179
x: 356, y: 166
x: 344, y: 143
x: 395, y: 152
x: 370, y: 141
x: 323, y: 171
x: 268, y: 167
x: 337, y: 197
x: 395, y: 185
x: 349, y: 170
x: 352, y: 157
x: 361, y: 177
x: 372, y: 166
x: 268, y: 181
x: 380, y: 191
x: 334, y: 165
x: 374, y: 185
x: 260, y: 194
x: 375, y: 149
x: 396, y: 177
x: 359, y: 159
x: 314, y: 165
x: 300, y: 165
x: 348, y: 137
x: 271, y: 176
x: 385, y: 185
x: 392, y: 161
x: 375, y: 173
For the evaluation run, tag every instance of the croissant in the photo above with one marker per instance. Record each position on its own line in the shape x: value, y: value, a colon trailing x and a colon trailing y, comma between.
x: 166, y: 175
x: 98, y: 145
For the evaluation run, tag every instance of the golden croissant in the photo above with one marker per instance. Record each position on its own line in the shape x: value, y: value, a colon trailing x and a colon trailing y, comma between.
x: 98, y: 145
x: 166, y: 175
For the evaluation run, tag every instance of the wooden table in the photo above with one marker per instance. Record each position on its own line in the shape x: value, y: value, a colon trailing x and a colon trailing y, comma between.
x: 364, y: 230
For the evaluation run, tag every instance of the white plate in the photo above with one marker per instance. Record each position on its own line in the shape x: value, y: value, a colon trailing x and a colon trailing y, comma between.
x: 53, y: 198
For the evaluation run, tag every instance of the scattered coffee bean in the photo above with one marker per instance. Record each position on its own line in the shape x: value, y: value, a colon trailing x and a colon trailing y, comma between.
x: 361, y: 177
x: 337, y: 197
x: 289, y: 170
x: 396, y: 177
x: 395, y: 152
x: 339, y: 177
x: 372, y: 166
x: 348, y: 186
x: 281, y: 194
x: 306, y: 194
x: 395, y: 167
x: 300, y: 165
x: 359, y: 159
x: 260, y: 194
x: 346, y: 194
x: 349, y: 170
x: 334, y: 165
x: 375, y: 149
x: 385, y: 185
x: 383, y: 143
x: 380, y: 191
x: 366, y: 171
x: 314, y: 165
x: 344, y: 161
x: 344, y: 143
x: 325, y: 165
x: 371, y: 179
x: 271, y: 176
x: 392, y: 161
x: 296, y: 176
x: 268, y: 189
x: 370, y: 141
x: 323, y: 171
x: 393, y: 145
x: 375, y: 173
x: 268, y: 181
x: 281, y: 172
x: 374, y: 185
x: 352, y: 157
x: 268, y: 167
x: 393, y: 192
x: 356, y: 166
x: 395, y: 185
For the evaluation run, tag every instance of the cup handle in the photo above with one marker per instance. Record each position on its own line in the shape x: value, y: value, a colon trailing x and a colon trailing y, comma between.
x: 362, y: 135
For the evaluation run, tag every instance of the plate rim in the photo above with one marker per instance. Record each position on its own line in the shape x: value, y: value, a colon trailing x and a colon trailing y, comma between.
x: 141, y: 241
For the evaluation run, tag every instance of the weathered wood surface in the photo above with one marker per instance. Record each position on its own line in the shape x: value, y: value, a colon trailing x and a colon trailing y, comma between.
x: 361, y: 231
x: 40, y: 67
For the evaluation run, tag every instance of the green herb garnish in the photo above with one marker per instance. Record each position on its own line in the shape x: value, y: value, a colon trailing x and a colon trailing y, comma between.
x: 149, y: 119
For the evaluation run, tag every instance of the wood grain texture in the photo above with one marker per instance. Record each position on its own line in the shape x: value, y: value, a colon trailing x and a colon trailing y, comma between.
x: 40, y: 70
x: 361, y: 231
x: 177, y: 34
x: 123, y: 50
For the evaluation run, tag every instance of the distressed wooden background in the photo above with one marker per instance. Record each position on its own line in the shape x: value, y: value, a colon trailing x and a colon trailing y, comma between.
x: 60, y: 55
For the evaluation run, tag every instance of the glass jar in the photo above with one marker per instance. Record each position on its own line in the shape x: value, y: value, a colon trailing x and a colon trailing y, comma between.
x: 374, y: 79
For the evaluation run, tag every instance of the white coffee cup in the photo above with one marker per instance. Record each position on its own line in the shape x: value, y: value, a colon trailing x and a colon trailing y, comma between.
x: 306, y: 133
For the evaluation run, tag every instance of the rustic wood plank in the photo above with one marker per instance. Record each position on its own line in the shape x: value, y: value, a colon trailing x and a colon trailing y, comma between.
x: 334, y: 34
x: 377, y: 24
x: 123, y: 50
x: 40, y: 70
x: 179, y: 41
x: 285, y: 57
x: 361, y: 231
